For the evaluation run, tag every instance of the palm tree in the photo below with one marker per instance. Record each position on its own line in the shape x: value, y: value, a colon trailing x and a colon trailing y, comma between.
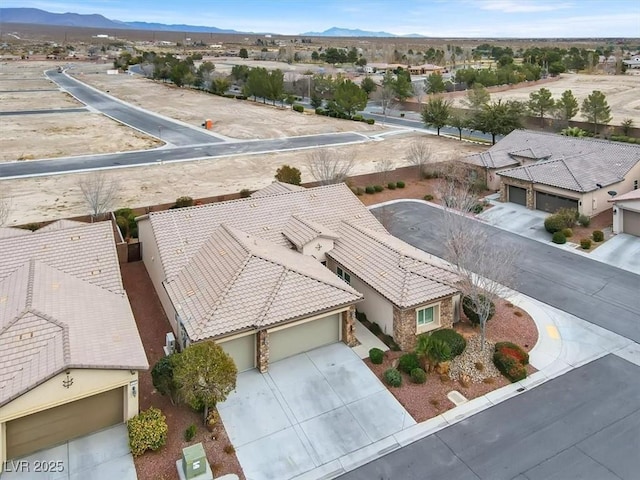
x: 433, y: 351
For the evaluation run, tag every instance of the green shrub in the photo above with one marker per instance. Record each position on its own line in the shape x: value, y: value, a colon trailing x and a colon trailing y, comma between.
x: 597, y: 235
x: 418, y: 375
x: 470, y: 311
x: 182, y: 202
x: 189, y: 433
x: 563, y: 218
x: 359, y: 191
x: 360, y: 316
x: 378, y: 188
x: 245, y: 192
x: 567, y: 232
x: 559, y: 238
x: 288, y: 174
x: 584, y: 221
x: 391, y: 185
x: 320, y: 111
x: 357, y: 118
x: 369, y: 189
x: 477, y: 208
x: 509, y: 367
x: 428, y: 197
x: 456, y: 342
x: 392, y: 377
x: 585, y: 243
x: 553, y: 224
x: 375, y: 328
x: 162, y: 376
x: 147, y: 431
x: 513, y: 350
x: 408, y: 362
x: 400, y: 184
x: 370, y: 121
x: 297, y: 108
x: 376, y: 356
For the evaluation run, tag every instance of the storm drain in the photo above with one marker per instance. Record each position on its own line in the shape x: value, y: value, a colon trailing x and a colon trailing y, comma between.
x: 457, y: 398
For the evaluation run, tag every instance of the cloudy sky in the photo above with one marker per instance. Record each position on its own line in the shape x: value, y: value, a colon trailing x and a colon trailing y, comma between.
x: 437, y: 18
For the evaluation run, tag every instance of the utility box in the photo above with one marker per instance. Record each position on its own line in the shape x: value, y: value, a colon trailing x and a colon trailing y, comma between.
x: 208, y: 124
x: 194, y: 463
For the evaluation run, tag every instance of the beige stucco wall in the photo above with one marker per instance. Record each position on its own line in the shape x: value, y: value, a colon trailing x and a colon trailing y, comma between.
x: 619, y: 209
x: 86, y: 382
x: 311, y: 249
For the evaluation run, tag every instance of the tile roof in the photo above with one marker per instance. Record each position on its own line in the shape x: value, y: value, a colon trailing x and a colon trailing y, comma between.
x: 276, y: 188
x: 632, y: 195
x: 60, y: 225
x: 300, y: 231
x: 181, y: 233
x: 11, y: 232
x: 51, y: 320
x: 211, y: 291
x: 403, y: 274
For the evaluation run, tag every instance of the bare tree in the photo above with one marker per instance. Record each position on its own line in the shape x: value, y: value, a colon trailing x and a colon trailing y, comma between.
x: 5, y: 206
x: 99, y: 192
x: 419, y: 155
x: 384, y: 168
x: 418, y: 91
x: 387, y: 98
x: 486, y: 272
x: 328, y: 167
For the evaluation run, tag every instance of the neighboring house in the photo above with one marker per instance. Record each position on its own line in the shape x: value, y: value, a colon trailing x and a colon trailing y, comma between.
x: 276, y: 188
x: 626, y: 213
x: 633, y: 62
x: 252, y: 274
x: 70, y: 347
x: 545, y: 171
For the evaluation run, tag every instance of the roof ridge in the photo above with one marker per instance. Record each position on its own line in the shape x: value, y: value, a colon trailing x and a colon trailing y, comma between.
x: 66, y: 347
x: 562, y: 159
x: 272, y: 296
x: 30, y: 281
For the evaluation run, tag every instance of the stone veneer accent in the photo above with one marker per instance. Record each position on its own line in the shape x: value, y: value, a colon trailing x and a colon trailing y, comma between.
x: 517, y: 183
x: 263, y: 350
x: 405, y: 322
x: 349, y: 326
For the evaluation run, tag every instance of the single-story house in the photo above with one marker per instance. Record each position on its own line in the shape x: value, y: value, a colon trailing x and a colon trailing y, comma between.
x: 545, y: 171
x: 626, y: 213
x: 70, y: 347
x: 275, y: 275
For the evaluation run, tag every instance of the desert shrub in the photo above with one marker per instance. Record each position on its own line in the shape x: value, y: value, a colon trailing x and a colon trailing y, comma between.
x: 320, y: 111
x: 509, y: 367
x: 597, y: 236
x: 563, y: 218
x: 357, y: 118
x: 245, y: 192
x: 456, y: 342
x: 408, y: 362
x: 147, y: 431
x: 567, y: 232
x: 584, y: 221
x: 428, y: 197
x: 229, y: 449
x: 376, y: 356
x: 400, y: 184
x: 287, y: 174
x: 513, y: 350
x: 479, y: 366
x: 359, y: 191
x: 375, y: 328
x: 477, y: 208
x: 391, y: 185
x: 189, y: 433
x: 518, y: 313
x: 568, y: 215
x: 369, y: 189
x: 585, y: 243
x: 182, y: 202
x: 559, y: 238
x: 298, y: 108
x: 378, y: 188
x: 370, y: 121
x: 392, y: 377
x: 418, y: 375
x: 470, y: 311
x: 162, y: 376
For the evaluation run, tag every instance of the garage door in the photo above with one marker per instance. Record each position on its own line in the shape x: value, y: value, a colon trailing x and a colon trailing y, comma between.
x: 57, y: 425
x: 631, y: 222
x: 518, y: 195
x: 301, y: 338
x: 547, y: 202
x: 243, y: 351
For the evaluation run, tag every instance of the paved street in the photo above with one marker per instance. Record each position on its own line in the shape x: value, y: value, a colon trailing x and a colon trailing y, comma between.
x: 582, y: 425
x: 601, y: 294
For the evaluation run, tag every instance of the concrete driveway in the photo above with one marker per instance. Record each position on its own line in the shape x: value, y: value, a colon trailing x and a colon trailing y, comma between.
x: 103, y: 455
x: 517, y: 219
x: 308, y: 411
x: 622, y: 251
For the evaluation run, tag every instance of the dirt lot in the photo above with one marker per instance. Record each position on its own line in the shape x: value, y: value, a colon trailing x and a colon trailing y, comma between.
x: 48, y: 198
x: 621, y: 92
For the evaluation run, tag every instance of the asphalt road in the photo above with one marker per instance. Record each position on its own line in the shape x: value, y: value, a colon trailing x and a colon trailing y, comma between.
x: 168, y: 155
x: 145, y: 121
x: 582, y: 425
x: 591, y: 290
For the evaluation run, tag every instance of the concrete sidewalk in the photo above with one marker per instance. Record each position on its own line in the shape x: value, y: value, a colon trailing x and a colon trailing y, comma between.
x: 367, y: 341
x: 564, y: 343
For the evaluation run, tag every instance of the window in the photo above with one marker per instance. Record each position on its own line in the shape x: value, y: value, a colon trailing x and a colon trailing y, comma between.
x: 340, y: 272
x: 425, y: 316
x: 428, y: 317
x: 343, y: 275
x: 635, y: 184
x: 347, y: 278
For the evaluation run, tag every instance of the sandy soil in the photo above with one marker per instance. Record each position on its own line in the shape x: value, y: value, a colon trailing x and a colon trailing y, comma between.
x: 48, y: 198
x: 16, y: 101
x: 621, y: 92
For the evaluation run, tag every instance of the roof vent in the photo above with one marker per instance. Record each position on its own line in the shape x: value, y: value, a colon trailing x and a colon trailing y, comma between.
x: 75, y: 237
x: 4, y: 299
x: 55, y: 286
x: 358, y: 216
x: 26, y: 336
x: 190, y: 293
x: 253, y: 205
x: 179, y: 250
x: 222, y: 252
x: 383, y: 274
x: 95, y: 272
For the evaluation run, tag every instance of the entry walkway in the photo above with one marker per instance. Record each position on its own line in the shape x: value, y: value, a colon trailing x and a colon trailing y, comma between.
x: 367, y: 341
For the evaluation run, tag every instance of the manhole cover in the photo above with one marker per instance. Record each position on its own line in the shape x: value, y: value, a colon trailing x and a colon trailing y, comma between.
x: 457, y: 398
x: 413, y: 229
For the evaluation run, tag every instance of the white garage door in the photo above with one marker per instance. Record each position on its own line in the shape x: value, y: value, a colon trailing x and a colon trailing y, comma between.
x: 301, y: 338
x: 243, y: 351
x: 631, y: 222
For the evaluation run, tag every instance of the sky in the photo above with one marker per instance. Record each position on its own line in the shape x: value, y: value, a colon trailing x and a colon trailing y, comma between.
x: 434, y: 18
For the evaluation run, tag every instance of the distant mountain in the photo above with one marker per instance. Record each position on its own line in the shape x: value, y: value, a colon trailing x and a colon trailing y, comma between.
x: 41, y: 17
x: 347, y: 32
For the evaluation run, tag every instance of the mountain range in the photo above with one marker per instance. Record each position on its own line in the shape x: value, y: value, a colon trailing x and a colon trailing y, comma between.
x: 34, y: 16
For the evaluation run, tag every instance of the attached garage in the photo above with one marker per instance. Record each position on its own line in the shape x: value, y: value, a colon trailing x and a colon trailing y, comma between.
x: 518, y: 195
x: 56, y: 425
x: 287, y: 341
x: 242, y: 350
x: 631, y: 222
x: 548, y: 202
